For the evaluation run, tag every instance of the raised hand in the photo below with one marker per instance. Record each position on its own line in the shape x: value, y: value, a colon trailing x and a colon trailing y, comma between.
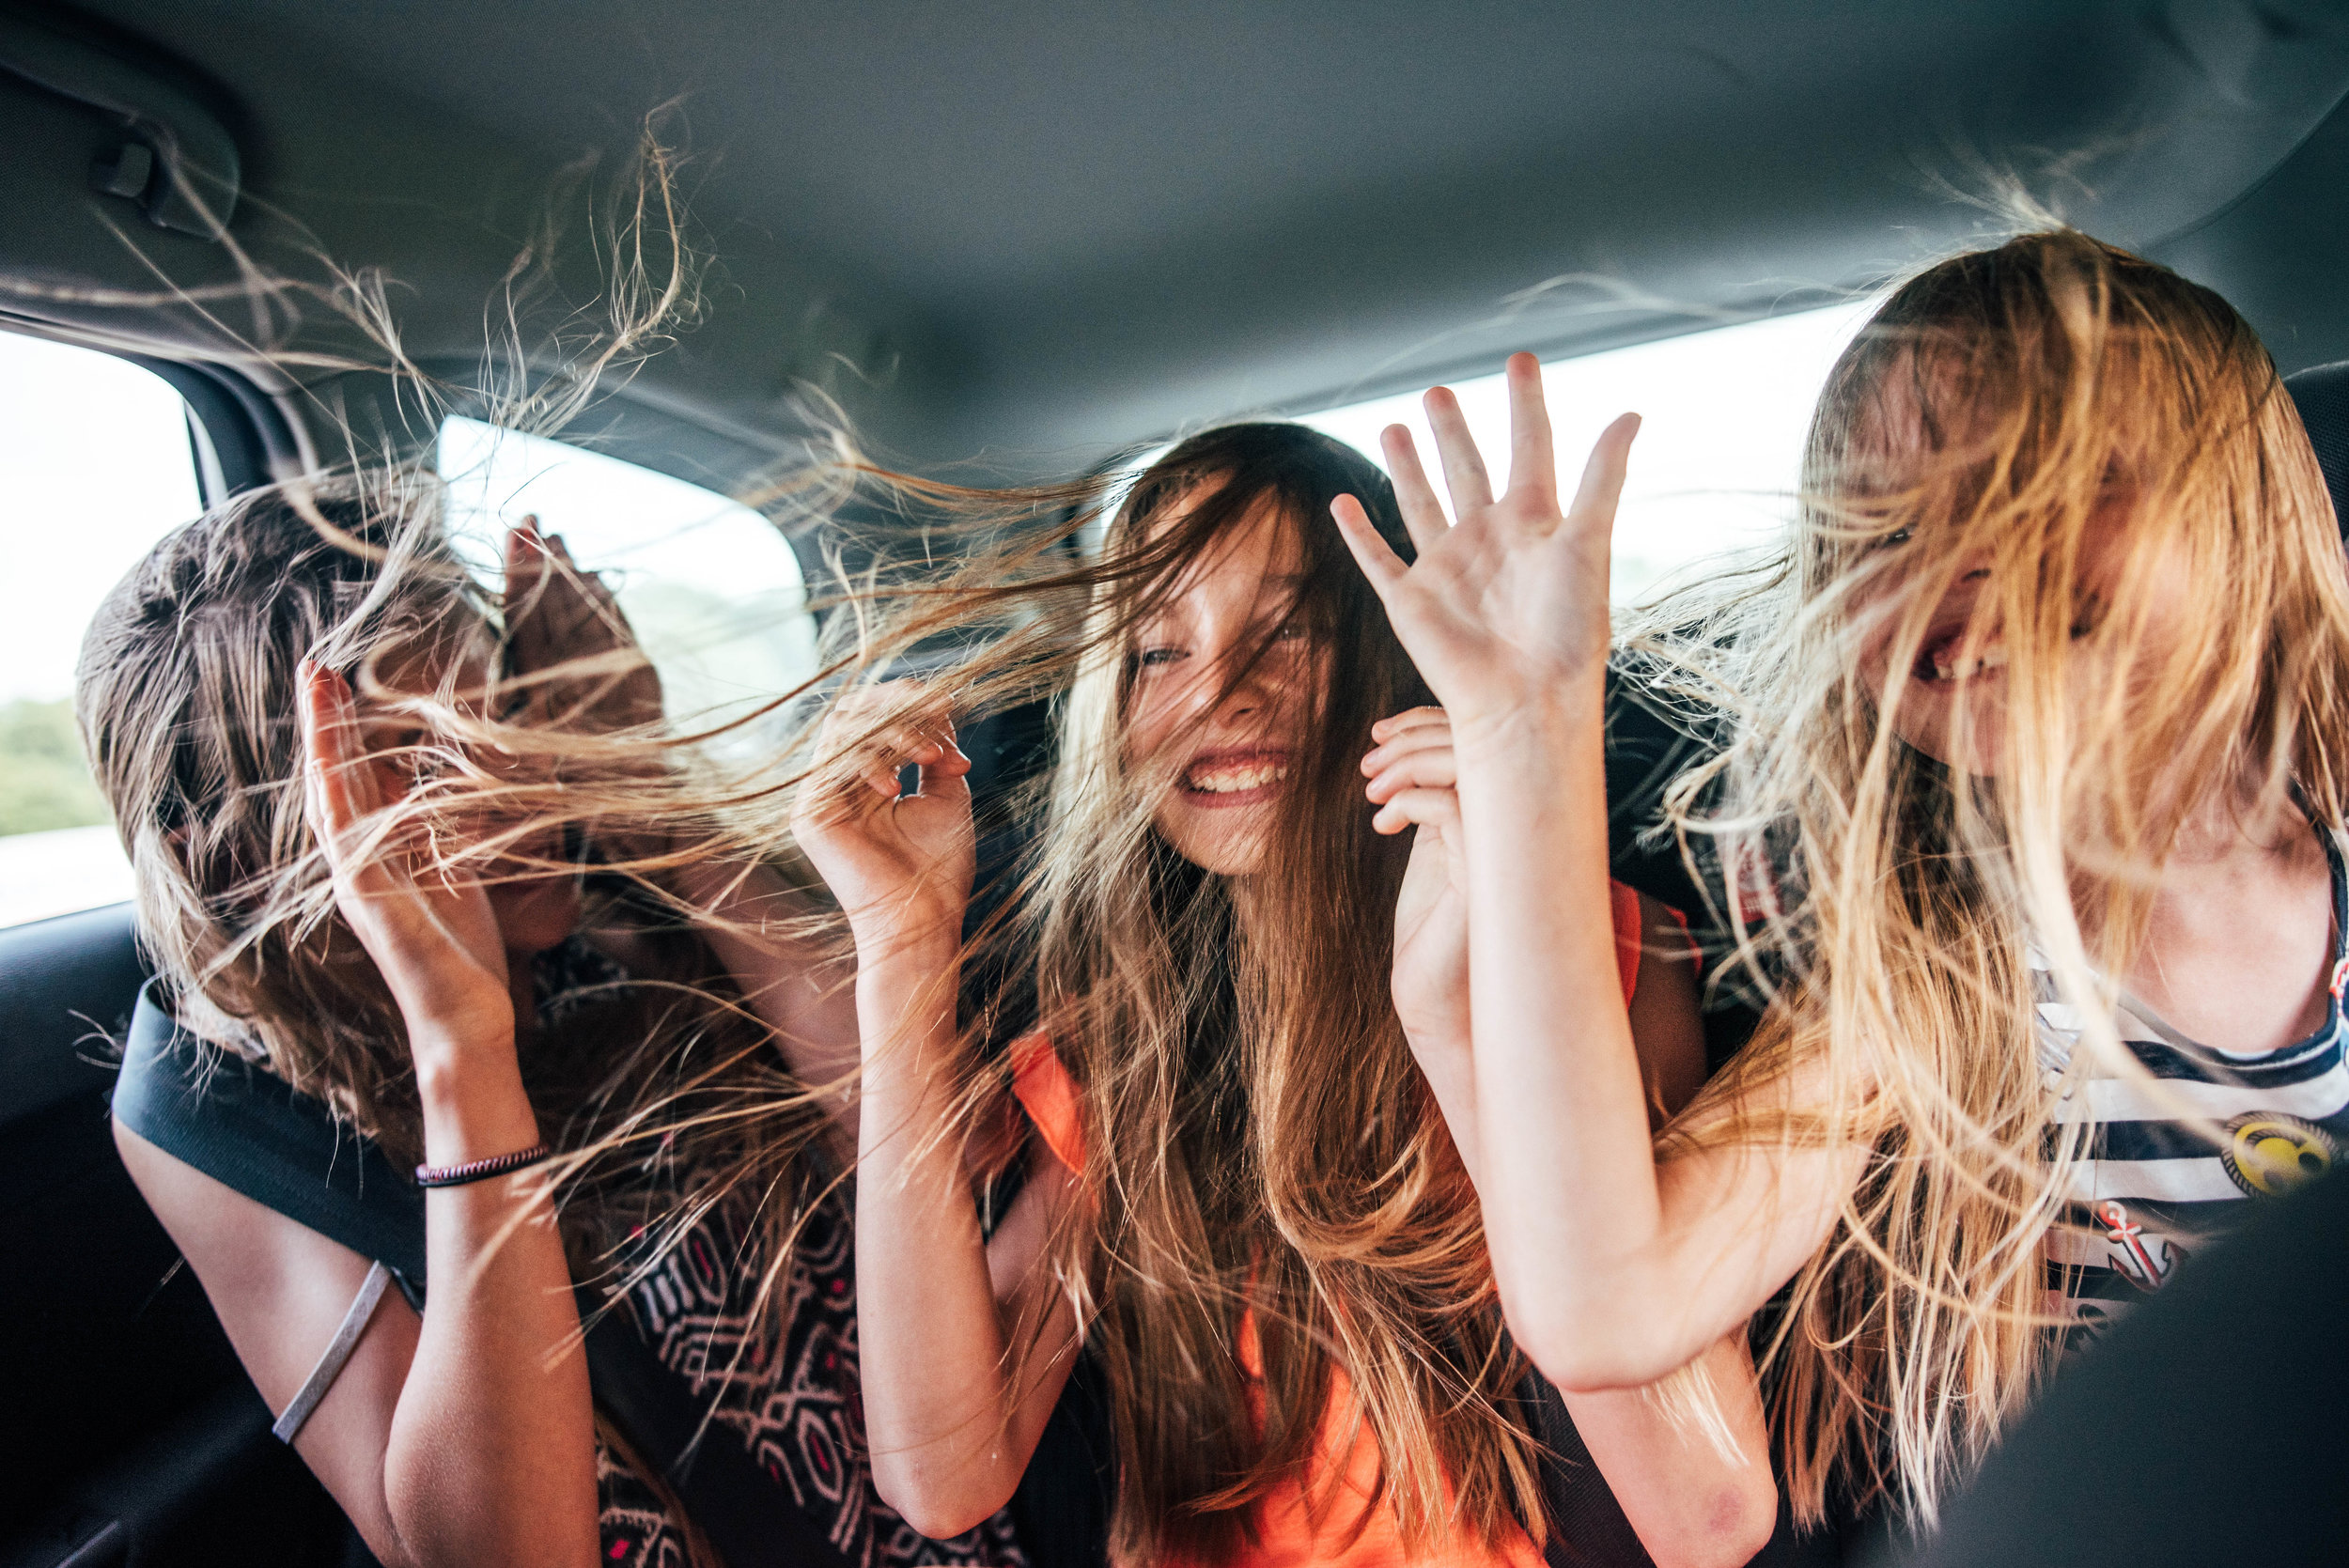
x: 1508, y: 605
x: 569, y: 645
x: 429, y: 930
x: 1411, y: 778
x: 899, y: 863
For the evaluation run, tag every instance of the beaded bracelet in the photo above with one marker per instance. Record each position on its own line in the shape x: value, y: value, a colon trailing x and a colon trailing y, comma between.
x: 479, y: 1170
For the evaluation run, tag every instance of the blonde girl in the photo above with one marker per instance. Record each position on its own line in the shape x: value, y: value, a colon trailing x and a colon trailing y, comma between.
x: 1245, y: 1194
x: 2031, y: 818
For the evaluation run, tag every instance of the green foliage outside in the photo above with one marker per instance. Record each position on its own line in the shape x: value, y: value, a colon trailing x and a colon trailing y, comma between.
x: 44, y: 782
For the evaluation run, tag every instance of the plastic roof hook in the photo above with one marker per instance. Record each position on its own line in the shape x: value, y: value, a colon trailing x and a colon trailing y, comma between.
x: 180, y: 164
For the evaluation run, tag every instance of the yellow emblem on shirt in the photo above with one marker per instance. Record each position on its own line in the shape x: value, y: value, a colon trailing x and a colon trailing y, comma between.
x: 2268, y: 1153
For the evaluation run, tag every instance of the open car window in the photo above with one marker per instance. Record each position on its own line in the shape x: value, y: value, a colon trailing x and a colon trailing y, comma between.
x: 711, y: 587
x: 96, y: 464
x: 1715, y: 470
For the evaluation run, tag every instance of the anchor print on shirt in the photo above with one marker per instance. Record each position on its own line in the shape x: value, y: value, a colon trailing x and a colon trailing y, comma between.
x: 2145, y: 1261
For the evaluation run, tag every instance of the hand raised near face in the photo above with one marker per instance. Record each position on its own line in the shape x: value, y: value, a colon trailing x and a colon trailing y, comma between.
x: 428, y: 928
x: 1509, y: 604
x: 570, y: 649
x: 900, y: 863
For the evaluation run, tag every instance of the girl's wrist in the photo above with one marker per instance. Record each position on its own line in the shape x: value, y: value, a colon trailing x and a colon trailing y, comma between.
x: 473, y: 1106
x: 455, y: 1065
x: 901, y: 935
x: 466, y: 1014
x: 1509, y: 724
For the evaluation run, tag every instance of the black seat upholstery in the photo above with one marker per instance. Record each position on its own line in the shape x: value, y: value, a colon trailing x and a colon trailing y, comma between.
x: 137, y: 1436
x: 2322, y: 393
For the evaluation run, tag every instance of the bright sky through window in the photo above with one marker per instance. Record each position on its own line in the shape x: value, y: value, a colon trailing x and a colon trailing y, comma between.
x: 94, y: 469
x: 1723, y: 413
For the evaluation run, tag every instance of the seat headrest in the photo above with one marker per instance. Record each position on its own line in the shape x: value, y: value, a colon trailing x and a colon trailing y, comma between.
x: 2322, y: 393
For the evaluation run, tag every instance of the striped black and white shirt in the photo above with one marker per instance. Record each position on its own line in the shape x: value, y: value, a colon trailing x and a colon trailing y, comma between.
x: 2153, y: 1185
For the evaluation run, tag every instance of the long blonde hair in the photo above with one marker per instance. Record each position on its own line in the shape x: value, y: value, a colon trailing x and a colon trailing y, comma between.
x: 1997, y: 415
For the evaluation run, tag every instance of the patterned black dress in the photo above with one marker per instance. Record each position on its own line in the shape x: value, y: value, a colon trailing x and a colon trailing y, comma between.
x: 791, y: 1400
x: 790, y: 1396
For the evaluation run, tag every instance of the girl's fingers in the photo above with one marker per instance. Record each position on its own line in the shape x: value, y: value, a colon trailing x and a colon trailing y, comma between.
x: 948, y: 776
x: 1402, y: 739
x: 1427, y: 713
x: 1532, y: 461
x: 1433, y: 769
x: 899, y: 729
x: 1423, y: 513
x: 1438, y: 809
x: 330, y: 732
x: 523, y: 554
x: 1596, y: 498
x: 1431, y: 741
x: 1378, y: 559
x: 1464, y: 472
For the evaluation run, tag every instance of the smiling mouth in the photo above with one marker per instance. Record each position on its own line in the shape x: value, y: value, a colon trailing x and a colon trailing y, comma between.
x: 1942, y: 664
x: 1943, y: 660
x: 1233, y: 778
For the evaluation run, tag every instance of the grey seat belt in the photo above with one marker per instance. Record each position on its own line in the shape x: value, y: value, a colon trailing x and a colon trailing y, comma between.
x: 338, y: 1349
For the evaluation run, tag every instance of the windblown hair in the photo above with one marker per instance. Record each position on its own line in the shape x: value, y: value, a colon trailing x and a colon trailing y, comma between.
x: 2102, y: 454
x: 187, y: 693
x: 662, y: 1092
x: 1260, y: 1146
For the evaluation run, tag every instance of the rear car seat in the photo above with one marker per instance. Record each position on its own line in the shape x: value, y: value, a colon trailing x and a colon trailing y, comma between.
x: 2322, y: 393
x: 133, y: 1434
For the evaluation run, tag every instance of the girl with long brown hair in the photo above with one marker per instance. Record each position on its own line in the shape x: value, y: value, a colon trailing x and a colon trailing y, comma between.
x: 2031, y: 820
x: 1245, y: 1195
x: 370, y: 806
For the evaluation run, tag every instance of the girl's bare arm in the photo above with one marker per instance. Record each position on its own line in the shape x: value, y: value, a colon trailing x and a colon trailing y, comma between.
x: 1614, y: 1271
x: 964, y: 1354
x: 280, y: 1290
x: 467, y: 1436
x: 798, y: 987
x: 1697, y: 1496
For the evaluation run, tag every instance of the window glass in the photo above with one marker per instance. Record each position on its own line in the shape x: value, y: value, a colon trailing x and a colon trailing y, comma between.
x: 95, y: 466
x: 1723, y: 416
x: 711, y: 587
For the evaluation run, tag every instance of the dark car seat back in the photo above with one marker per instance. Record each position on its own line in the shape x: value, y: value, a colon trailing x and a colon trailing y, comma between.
x: 138, y: 1437
x: 2322, y: 396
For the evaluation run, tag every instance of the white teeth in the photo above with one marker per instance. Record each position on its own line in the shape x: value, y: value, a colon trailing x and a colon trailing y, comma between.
x: 1991, y: 657
x: 1232, y: 780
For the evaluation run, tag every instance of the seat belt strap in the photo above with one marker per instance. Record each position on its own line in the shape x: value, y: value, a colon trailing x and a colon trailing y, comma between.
x: 338, y: 1349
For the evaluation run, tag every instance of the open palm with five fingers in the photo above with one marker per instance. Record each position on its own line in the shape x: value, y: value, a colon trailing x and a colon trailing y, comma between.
x: 429, y: 929
x: 1509, y: 603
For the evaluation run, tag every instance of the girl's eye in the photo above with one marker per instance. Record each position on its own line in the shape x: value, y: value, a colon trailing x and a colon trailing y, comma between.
x: 1896, y: 538
x: 1151, y: 658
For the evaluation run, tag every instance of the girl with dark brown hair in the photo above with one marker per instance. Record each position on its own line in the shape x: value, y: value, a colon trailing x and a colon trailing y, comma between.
x: 1252, y: 1191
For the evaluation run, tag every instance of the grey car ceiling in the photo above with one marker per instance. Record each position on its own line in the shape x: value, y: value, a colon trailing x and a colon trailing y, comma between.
x: 1032, y: 232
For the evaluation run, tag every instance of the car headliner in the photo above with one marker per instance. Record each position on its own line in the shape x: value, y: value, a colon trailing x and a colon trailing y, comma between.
x: 1032, y: 232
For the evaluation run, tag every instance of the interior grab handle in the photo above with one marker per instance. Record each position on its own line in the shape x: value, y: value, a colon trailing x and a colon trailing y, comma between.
x: 180, y: 164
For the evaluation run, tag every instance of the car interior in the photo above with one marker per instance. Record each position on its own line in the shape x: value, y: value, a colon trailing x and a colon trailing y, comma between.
x: 1007, y: 244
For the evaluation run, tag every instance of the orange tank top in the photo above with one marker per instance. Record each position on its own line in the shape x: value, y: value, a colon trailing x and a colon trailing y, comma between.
x: 1290, y: 1532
